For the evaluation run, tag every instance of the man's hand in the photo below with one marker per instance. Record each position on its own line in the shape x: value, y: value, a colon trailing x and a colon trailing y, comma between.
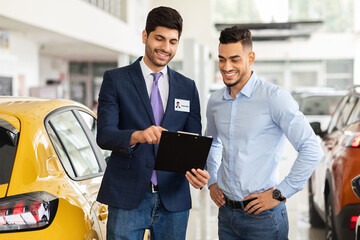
x: 199, y: 178
x: 263, y: 202
x: 217, y: 195
x: 151, y: 135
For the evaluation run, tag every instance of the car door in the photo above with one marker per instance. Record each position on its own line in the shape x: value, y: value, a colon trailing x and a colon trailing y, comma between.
x: 82, y: 160
x: 333, y: 147
x: 89, y: 123
x: 328, y: 142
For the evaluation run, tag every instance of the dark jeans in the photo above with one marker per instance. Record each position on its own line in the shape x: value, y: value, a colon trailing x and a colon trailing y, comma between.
x: 150, y: 214
x: 238, y: 224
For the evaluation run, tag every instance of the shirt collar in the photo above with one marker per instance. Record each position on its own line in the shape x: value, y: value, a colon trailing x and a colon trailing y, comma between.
x: 246, y: 90
x: 147, y: 71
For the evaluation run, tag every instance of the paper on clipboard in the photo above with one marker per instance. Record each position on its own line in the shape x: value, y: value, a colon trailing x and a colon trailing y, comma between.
x: 181, y: 151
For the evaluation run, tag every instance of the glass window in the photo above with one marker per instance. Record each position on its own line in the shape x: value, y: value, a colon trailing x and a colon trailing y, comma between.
x: 62, y: 154
x: 319, y: 105
x: 8, y: 146
x: 116, y: 8
x: 91, y: 123
x: 79, y: 68
x: 100, y: 67
x: 355, y: 115
x: 339, y: 73
x: 303, y: 79
x: 75, y: 143
x: 346, y: 111
x: 335, y: 116
x: 338, y: 15
x: 339, y: 66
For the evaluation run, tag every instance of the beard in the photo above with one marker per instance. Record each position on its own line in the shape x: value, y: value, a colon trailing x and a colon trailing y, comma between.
x: 237, y: 81
x: 233, y: 84
x: 150, y: 53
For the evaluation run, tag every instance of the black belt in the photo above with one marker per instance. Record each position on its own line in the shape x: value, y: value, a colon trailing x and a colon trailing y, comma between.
x: 238, y: 204
x: 153, y: 188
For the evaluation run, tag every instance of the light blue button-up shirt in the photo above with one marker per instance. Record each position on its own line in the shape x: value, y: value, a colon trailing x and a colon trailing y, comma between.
x: 249, y: 135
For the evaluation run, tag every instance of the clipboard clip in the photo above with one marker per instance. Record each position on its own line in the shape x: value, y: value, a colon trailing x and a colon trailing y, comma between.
x: 189, y: 133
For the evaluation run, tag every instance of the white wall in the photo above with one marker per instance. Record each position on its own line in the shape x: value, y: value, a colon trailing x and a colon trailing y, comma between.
x: 319, y: 46
x: 21, y: 59
x: 52, y: 68
x: 198, y: 25
x: 78, y: 20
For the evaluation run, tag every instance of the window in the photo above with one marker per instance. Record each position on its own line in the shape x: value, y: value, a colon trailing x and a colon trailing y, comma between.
x: 355, y: 115
x: 116, y: 8
x: 303, y: 79
x: 62, y: 154
x: 319, y: 105
x: 72, y: 145
x: 91, y: 123
x: 8, y: 147
x: 339, y: 73
x: 338, y: 15
x: 335, y: 116
x: 347, y: 109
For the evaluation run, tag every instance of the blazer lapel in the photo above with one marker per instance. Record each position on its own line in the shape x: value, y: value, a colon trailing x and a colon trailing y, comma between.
x: 140, y: 86
x: 170, y: 103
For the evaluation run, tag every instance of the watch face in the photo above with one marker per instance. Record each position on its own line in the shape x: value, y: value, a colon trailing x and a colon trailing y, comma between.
x: 276, y: 194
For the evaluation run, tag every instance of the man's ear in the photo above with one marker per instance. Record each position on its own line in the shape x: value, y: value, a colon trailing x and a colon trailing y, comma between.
x: 144, y: 36
x: 251, y: 57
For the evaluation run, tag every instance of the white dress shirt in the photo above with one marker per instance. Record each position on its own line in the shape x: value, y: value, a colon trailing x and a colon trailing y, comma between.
x: 163, y: 82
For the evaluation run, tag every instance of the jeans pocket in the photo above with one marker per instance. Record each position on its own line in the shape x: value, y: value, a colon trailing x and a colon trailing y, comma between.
x: 264, y: 214
x: 285, y: 218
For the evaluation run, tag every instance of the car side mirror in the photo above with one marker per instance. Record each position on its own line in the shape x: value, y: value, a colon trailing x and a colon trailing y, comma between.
x: 355, y: 183
x: 316, y: 126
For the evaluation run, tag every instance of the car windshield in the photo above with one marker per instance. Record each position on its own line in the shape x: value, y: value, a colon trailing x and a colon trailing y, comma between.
x: 319, y: 105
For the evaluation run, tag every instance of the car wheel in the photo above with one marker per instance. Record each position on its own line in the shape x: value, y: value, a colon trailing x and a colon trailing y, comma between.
x: 315, y: 219
x: 330, y: 226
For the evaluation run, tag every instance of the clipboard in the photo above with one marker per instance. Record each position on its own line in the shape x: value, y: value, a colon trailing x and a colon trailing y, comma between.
x: 181, y: 151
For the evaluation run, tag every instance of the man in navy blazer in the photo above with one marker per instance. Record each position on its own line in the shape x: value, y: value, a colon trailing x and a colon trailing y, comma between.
x: 126, y: 126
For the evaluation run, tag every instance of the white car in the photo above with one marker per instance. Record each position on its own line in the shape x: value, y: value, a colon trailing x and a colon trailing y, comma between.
x: 318, y: 107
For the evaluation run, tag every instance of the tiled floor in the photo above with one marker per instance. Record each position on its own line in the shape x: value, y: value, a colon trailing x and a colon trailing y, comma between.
x: 203, y: 216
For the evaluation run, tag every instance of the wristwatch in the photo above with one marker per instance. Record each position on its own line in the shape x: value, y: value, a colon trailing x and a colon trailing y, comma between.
x: 277, y: 195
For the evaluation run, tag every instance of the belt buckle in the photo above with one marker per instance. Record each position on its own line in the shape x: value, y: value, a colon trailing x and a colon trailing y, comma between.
x: 235, y: 204
x: 153, y: 188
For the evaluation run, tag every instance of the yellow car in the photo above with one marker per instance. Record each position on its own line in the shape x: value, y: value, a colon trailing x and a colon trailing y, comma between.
x: 50, y: 171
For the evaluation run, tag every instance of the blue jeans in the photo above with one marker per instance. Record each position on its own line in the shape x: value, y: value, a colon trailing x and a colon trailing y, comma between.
x: 150, y: 214
x: 238, y: 224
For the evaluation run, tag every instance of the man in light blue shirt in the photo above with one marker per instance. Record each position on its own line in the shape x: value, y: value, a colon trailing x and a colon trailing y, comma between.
x: 249, y: 120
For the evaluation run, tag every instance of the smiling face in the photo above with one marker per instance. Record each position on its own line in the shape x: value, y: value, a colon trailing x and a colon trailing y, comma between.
x: 160, y: 47
x: 235, y: 65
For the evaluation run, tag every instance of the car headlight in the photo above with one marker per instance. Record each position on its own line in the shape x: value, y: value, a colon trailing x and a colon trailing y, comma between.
x: 27, y: 211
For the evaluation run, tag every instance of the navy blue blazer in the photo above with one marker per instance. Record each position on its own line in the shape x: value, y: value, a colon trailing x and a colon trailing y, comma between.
x: 124, y: 107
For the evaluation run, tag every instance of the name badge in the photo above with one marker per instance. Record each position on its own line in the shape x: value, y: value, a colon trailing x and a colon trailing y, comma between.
x: 182, y: 105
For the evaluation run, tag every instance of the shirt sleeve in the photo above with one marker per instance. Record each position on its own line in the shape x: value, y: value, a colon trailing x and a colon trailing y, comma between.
x: 109, y: 136
x: 215, y: 154
x: 285, y: 113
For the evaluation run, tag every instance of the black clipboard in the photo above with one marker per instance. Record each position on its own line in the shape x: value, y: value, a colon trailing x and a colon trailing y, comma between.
x: 181, y: 151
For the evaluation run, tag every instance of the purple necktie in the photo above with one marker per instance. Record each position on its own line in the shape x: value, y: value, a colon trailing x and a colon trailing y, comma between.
x: 157, y: 108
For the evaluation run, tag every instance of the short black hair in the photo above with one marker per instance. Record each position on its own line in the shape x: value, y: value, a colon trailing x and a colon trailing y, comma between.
x: 236, y: 34
x: 164, y: 17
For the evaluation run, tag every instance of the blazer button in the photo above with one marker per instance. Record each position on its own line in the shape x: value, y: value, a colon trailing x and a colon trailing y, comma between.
x: 149, y: 165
